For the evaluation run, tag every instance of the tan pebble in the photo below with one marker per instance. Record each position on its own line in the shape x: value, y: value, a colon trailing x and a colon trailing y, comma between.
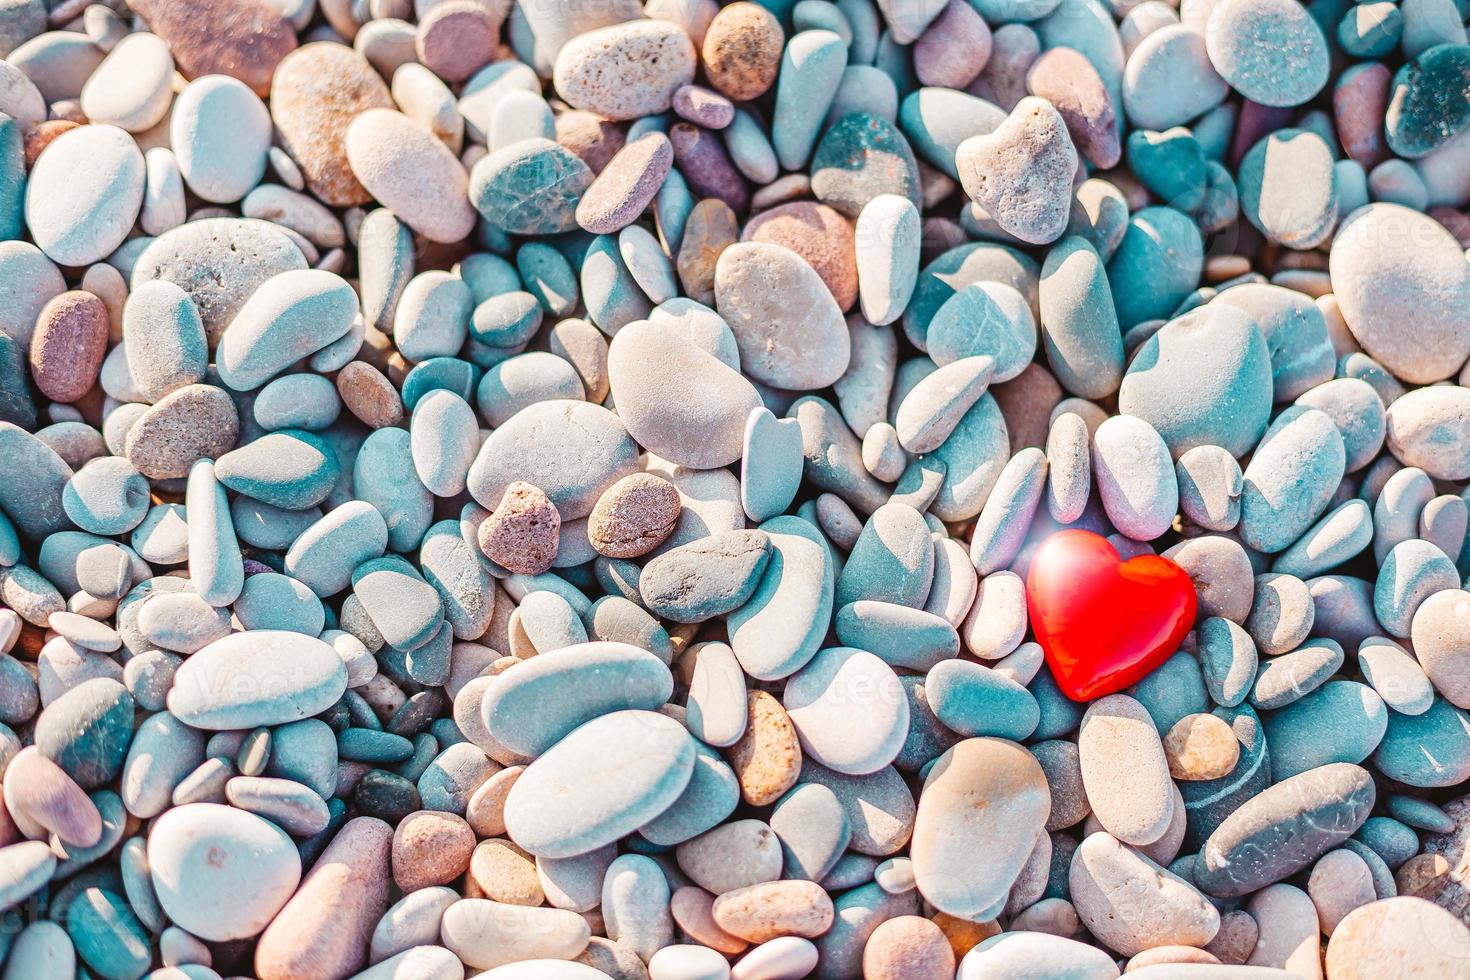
x: 523, y: 532
x: 633, y: 516
x: 693, y: 910
x: 39, y: 137
x: 964, y: 935
x: 324, y: 930
x: 485, y: 812
x: 1289, y: 938
x: 767, y: 759
x: 1125, y: 771
x: 1160, y: 955
x: 431, y: 847
x: 595, y: 139
x: 1054, y: 916
x: 1232, y: 945
x: 1399, y: 939
x: 583, y: 346
x: 711, y: 228
x: 369, y: 395
x: 196, y: 422
x: 614, y: 959
x: 820, y: 235
x: 506, y: 873
x: 908, y: 948
x: 245, y: 39
x: 317, y: 92
x: 410, y: 171
x: 458, y: 38
x: 68, y: 345
x: 1340, y: 882
x: 742, y: 50
x: 1222, y: 573
x: 1201, y: 747
x: 775, y: 908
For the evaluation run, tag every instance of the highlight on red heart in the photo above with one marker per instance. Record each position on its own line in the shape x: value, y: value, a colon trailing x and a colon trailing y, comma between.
x: 1102, y: 622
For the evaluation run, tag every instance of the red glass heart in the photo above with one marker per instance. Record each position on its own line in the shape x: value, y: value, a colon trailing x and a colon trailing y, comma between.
x: 1105, y: 623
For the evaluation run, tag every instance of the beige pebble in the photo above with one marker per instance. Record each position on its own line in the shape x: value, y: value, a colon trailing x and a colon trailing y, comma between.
x: 523, y: 533
x: 486, y: 810
x: 430, y: 847
x: 1222, y: 574
x: 506, y: 873
x: 410, y: 171
x: 1161, y: 955
x: 1289, y: 937
x: 633, y: 516
x: 1398, y: 939
x: 908, y: 947
x: 1340, y: 882
x: 1132, y: 904
x: 767, y: 759
x: 1201, y: 746
x: 775, y: 908
x: 1232, y: 945
x: 1125, y: 771
x: 693, y: 911
x: 733, y: 855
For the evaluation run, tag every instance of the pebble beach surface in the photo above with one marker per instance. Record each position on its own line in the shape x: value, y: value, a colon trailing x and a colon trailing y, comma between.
x: 545, y: 490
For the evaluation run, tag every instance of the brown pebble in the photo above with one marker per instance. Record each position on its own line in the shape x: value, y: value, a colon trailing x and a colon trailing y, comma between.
x: 1236, y: 939
x: 1422, y: 875
x: 431, y: 847
x: 68, y: 345
x: 908, y: 947
x: 523, y: 532
x: 767, y: 759
x: 506, y: 873
x: 964, y: 935
x: 245, y: 39
x: 693, y: 910
x: 1026, y: 401
x: 485, y: 812
x: 595, y: 139
x: 369, y: 395
x: 742, y: 50
x: 626, y: 185
x: 633, y: 516
x: 1066, y: 79
x: 458, y: 38
x: 39, y: 137
x: 759, y: 913
x: 318, y: 91
x: 583, y: 346
x: 711, y: 228
x: 1359, y: 104
x: 323, y: 931
x: 1201, y: 747
x: 820, y: 235
x: 196, y: 422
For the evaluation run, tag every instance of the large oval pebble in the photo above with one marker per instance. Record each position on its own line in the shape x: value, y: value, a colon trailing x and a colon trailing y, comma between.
x: 261, y: 677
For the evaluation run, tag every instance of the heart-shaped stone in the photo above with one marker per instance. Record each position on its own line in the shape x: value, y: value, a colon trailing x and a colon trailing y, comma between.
x: 1105, y: 623
x: 1021, y: 174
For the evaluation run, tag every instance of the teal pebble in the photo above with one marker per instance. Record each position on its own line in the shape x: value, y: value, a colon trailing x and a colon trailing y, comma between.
x: 271, y: 601
x: 1079, y: 323
x: 1287, y: 188
x: 671, y: 209
x: 1391, y: 840
x: 811, y: 70
x: 508, y: 320
x: 1420, y: 813
x: 1175, y: 689
x: 938, y: 120
x: 712, y: 795
x: 385, y: 795
x: 1420, y: 116
x: 1296, y: 335
x: 87, y: 731
x: 292, y: 469
x: 612, y: 295
x: 406, y: 610
x: 1291, y: 676
x: 974, y: 700
x: 1171, y: 164
x: 1058, y: 715
x: 1290, y: 479
x: 384, y: 476
x: 488, y: 275
x: 262, y: 525
x: 1341, y: 721
x: 449, y: 373
x: 1370, y: 30
x: 1157, y: 264
x: 530, y: 187
x: 108, y: 937
x: 325, y: 554
x: 12, y: 179
x: 898, y: 635
x: 366, y: 745
x: 298, y: 401
x: 1412, y: 572
x: 106, y: 496
x: 1428, y: 750
x: 860, y: 157
x: 892, y: 561
x: 305, y: 751
x: 548, y: 276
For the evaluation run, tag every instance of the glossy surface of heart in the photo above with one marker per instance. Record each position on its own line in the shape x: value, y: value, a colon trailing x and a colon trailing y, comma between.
x: 1105, y: 623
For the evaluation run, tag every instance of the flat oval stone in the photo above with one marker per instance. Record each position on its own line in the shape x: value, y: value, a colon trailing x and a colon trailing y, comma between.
x: 984, y: 319
x: 1134, y: 476
x: 675, y: 399
x: 220, y: 132
x: 593, y: 450
x: 778, y: 630
x: 706, y: 578
x: 1402, y: 285
x: 1204, y: 379
x: 316, y: 93
x: 1341, y: 721
x: 983, y: 803
x: 565, y: 804
x: 1014, y: 954
x: 537, y: 702
x: 1125, y: 770
x: 1429, y: 749
x: 1375, y: 940
x: 1161, y: 248
x: 1104, y: 880
x: 84, y: 194
x: 1170, y: 80
x: 290, y: 316
x: 818, y: 702
x: 219, y: 872
x: 974, y: 700
x: 892, y: 561
x: 1288, y: 188
x: 1290, y: 479
x: 1427, y: 428
x: 626, y: 70
x: 410, y: 171
x: 1283, y: 829
x: 261, y: 677
x: 531, y: 187
x: 789, y: 328
x: 219, y: 262
x: 1270, y: 51
x: 859, y: 158
x: 291, y: 469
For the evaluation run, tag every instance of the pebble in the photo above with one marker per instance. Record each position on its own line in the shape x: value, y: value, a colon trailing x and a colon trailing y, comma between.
x: 409, y: 170
x: 816, y: 701
x: 633, y: 516
x: 762, y: 912
x: 79, y: 222
x: 1134, y: 477
x: 705, y: 578
x: 1020, y: 172
x: 741, y: 51
x: 1287, y: 483
x: 220, y: 162
x: 1372, y: 940
x: 315, y: 94
x: 219, y: 872
x: 211, y: 689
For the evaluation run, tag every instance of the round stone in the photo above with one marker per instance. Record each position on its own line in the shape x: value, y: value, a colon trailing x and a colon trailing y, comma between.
x: 626, y: 70
x: 1270, y: 51
x: 84, y: 193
